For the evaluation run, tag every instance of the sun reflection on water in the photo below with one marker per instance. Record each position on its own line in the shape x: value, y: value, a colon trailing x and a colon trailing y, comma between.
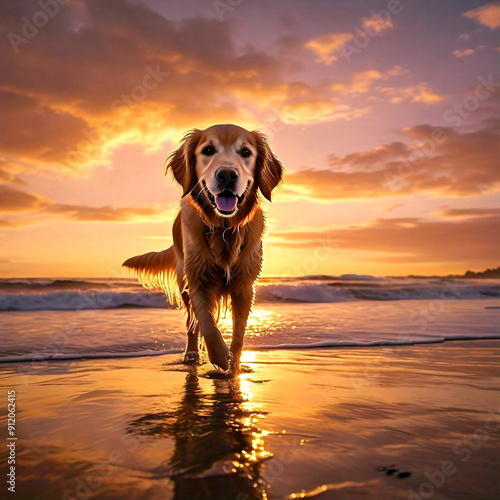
x: 219, y: 444
x: 261, y: 322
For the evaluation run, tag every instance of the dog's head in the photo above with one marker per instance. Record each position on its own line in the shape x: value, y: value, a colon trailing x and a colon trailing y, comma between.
x: 225, y: 165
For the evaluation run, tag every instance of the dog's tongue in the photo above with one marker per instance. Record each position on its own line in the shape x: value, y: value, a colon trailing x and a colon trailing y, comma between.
x: 225, y: 203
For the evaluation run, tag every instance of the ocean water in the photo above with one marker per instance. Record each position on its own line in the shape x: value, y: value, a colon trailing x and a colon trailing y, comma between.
x: 50, y: 319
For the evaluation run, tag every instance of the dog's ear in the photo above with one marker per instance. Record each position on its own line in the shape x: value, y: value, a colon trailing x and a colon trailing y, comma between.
x: 182, y: 161
x: 269, y: 170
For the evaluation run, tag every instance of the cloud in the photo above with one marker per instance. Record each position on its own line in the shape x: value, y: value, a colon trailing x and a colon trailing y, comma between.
x: 85, y: 102
x: 303, y: 103
x: 361, y: 82
x: 319, y: 111
x: 441, y: 161
x: 104, y: 213
x: 389, y: 208
x: 420, y: 93
x: 469, y: 212
x: 463, y: 36
x: 307, y: 104
x: 409, y: 239
x: 16, y: 202
x: 487, y: 15
x: 68, y: 108
x: 327, y: 46
x: 13, y: 223
x: 32, y: 130
x: 398, y: 71
x: 463, y: 53
x: 376, y: 24
x: 8, y: 172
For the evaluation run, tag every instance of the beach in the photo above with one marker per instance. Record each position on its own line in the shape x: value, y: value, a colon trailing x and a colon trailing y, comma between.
x: 352, y: 387
x: 381, y: 422
x: 328, y: 168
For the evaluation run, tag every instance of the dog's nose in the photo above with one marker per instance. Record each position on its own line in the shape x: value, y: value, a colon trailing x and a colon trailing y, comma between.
x: 226, y: 175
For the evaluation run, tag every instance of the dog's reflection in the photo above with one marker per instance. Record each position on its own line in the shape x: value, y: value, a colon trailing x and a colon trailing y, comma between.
x: 219, y: 449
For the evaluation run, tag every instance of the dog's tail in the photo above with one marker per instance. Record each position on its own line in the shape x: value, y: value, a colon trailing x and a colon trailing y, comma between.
x: 158, y: 270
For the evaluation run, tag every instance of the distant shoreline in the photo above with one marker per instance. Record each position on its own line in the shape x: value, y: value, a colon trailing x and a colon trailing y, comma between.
x: 488, y: 274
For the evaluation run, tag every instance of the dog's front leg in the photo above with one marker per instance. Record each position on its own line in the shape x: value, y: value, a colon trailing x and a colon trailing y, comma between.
x: 242, y: 300
x: 205, y: 299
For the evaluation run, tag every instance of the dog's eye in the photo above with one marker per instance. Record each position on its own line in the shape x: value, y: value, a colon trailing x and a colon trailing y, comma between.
x: 208, y: 150
x: 245, y: 152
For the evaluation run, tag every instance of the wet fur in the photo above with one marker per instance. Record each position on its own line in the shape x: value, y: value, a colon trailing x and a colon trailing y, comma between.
x: 214, y: 261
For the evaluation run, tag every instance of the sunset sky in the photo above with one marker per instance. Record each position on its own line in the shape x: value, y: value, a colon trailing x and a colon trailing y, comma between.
x: 387, y: 125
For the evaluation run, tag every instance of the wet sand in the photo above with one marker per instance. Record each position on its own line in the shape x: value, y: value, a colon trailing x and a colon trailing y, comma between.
x: 378, y: 423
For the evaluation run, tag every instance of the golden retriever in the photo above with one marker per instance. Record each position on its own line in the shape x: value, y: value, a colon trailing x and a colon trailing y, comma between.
x: 216, y: 257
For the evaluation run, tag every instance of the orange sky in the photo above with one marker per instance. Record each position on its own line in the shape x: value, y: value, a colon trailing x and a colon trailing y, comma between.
x: 386, y: 122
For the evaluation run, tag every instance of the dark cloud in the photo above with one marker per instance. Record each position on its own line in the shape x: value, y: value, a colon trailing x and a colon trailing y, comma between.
x: 14, y: 200
x: 469, y: 212
x: 440, y: 161
x: 101, y: 74
x: 102, y: 214
x: 117, y: 67
x: 8, y: 172
x: 31, y: 130
x: 465, y: 241
x: 17, y: 202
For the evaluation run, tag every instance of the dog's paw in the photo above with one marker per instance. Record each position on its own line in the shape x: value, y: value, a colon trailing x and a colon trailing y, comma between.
x: 191, y: 358
x: 219, y: 355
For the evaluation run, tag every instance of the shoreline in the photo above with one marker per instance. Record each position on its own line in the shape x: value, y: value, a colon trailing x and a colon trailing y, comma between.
x: 329, y: 422
x: 333, y: 345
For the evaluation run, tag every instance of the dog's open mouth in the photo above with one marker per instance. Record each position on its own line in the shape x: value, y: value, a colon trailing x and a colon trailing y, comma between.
x: 226, y: 201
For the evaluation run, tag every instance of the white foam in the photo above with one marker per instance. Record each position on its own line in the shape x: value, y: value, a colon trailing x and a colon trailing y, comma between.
x: 38, y: 295
x: 83, y: 356
x: 289, y: 346
x: 374, y: 343
x: 78, y: 301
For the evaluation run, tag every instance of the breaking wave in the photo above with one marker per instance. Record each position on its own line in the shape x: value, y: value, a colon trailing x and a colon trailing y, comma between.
x: 82, y: 294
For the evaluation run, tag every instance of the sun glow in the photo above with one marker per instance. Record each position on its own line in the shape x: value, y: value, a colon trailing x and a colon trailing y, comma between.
x: 260, y: 322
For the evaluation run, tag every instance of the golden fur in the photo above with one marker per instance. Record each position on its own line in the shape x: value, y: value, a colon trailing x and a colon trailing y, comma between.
x: 216, y: 257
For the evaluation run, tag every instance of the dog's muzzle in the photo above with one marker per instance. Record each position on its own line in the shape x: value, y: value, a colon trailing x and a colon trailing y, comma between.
x: 226, y: 201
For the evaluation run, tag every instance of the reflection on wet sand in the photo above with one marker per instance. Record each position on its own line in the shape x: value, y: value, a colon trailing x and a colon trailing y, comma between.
x: 338, y: 420
x: 219, y: 449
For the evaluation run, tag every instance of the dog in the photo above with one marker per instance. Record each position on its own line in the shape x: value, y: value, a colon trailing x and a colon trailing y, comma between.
x: 216, y: 258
